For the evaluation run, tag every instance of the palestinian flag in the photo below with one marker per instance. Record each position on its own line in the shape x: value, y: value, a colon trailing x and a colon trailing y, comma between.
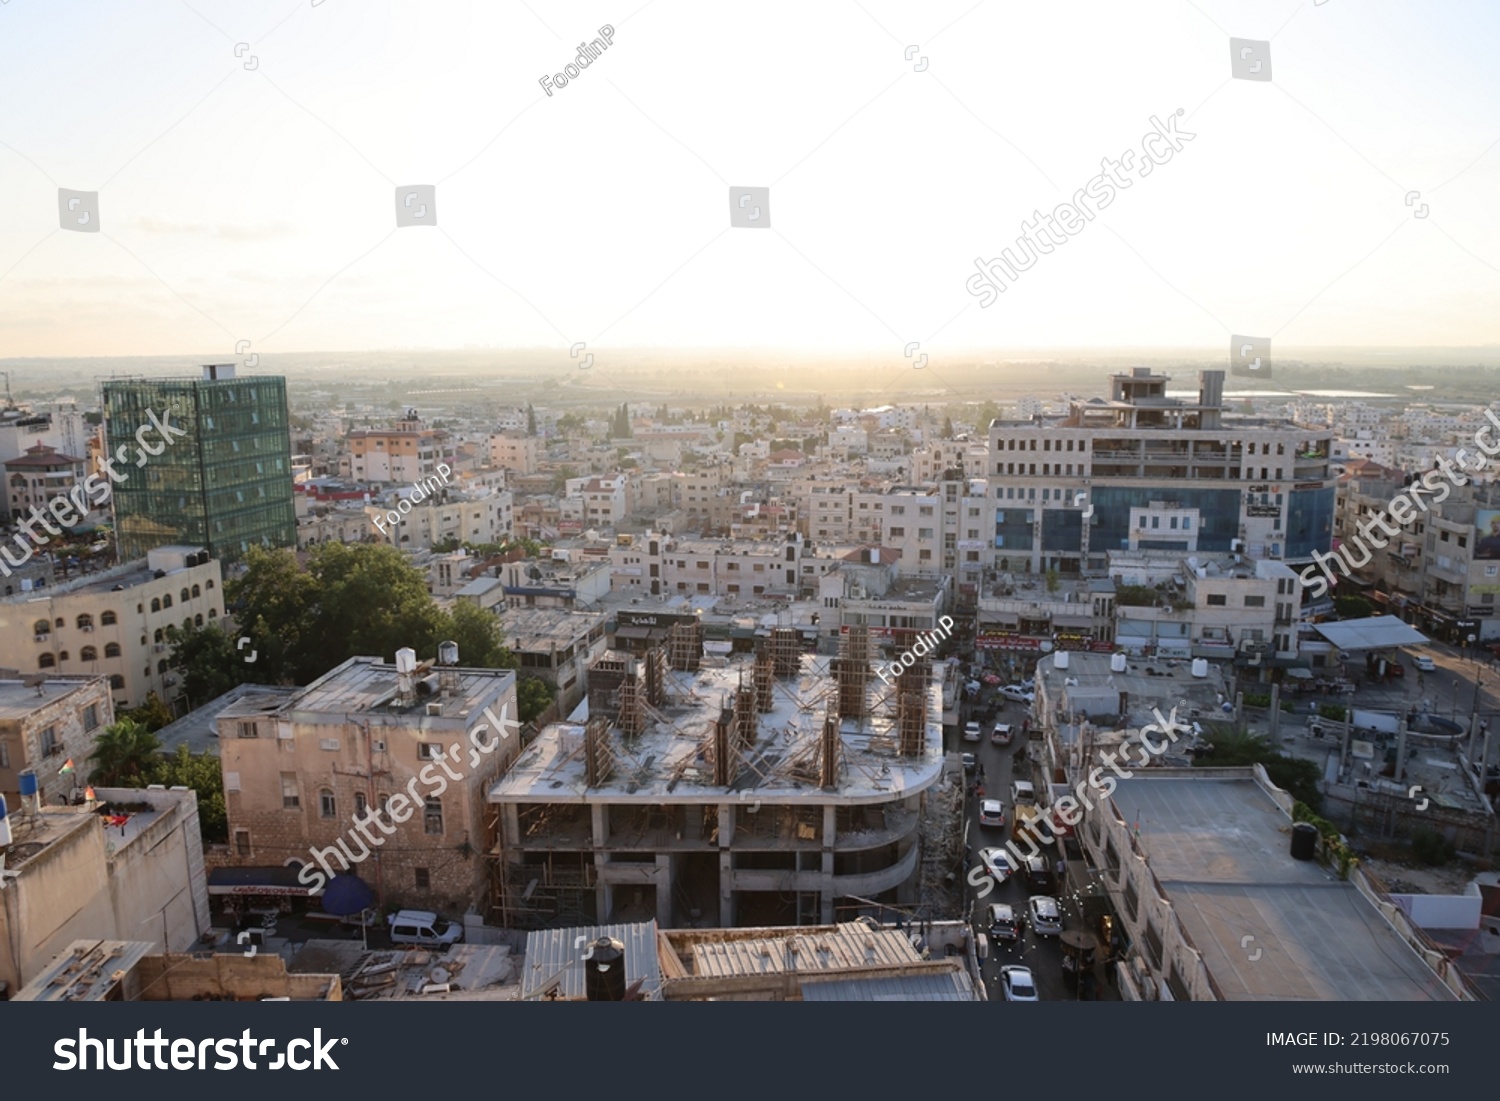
x: 67, y: 766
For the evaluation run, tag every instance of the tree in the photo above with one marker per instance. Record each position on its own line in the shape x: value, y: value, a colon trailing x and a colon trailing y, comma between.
x: 533, y: 696
x: 1053, y: 579
x: 210, y: 664
x: 947, y: 428
x: 203, y: 774
x: 481, y: 644
x: 530, y: 420
x: 1352, y: 607
x: 124, y: 754
x: 153, y: 714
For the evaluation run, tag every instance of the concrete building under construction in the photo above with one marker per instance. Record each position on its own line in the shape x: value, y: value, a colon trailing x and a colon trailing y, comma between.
x: 775, y: 788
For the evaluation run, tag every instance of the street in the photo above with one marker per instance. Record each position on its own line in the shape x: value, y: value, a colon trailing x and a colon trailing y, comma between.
x: 1042, y: 954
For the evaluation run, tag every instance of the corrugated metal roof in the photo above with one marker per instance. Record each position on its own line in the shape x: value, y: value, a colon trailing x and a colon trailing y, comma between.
x: 851, y: 946
x: 942, y: 986
x: 559, y: 953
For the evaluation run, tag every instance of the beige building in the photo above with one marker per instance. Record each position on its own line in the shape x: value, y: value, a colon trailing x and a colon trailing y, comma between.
x: 515, y: 452
x: 44, y: 723
x: 372, y: 769
x: 480, y: 518
x: 114, y: 623
x: 71, y: 874
x: 403, y: 455
x: 36, y: 478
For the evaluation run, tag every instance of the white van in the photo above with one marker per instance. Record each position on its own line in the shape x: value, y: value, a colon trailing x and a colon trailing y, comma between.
x: 424, y: 928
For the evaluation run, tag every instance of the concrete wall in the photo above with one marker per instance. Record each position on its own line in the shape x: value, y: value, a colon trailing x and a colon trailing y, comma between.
x: 237, y: 977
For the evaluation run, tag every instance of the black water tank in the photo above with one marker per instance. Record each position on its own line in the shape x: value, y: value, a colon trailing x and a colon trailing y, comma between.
x: 1304, y: 840
x: 604, y: 971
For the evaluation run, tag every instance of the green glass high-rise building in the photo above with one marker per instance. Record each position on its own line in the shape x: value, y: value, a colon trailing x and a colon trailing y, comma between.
x: 226, y: 484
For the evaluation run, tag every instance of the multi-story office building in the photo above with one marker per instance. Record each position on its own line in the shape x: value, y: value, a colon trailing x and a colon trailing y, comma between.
x: 403, y: 455
x: 225, y: 485
x: 1184, y: 472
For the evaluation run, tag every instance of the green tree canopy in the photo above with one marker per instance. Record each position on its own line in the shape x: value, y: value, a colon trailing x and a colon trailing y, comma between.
x: 124, y: 755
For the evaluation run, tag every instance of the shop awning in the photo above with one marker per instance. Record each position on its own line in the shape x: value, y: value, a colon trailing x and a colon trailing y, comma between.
x: 257, y: 881
x: 1377, y: 632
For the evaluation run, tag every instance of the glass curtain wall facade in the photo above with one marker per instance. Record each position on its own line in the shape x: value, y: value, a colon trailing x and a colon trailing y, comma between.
x: 226, y: 485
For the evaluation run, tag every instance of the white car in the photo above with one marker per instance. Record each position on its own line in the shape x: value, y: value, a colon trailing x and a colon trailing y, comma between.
x: 1022, y: 792
x: 1017, y: 984
x: 1424, y: 664
x: 992, y: 813
x: 1017, y: 694
x: 1003, y: 734
x: 971, y: 731
x: 997, y: 862
x: 1046, y: 917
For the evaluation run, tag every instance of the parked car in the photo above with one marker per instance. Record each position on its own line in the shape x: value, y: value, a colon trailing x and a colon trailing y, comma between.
x: 1046, y: 916
x: 971, y: 731
x: 1003, y: 734
x: 1017, y: 694
x: 424, y: 929
x: 970, y: 762
x: 1022, y: 792
x: 1424, y: 664
x: 1005, y: 923
x: 997, y: 863
x: 992, y: 813
x: 1017, y: 984
x: 1039, y: 877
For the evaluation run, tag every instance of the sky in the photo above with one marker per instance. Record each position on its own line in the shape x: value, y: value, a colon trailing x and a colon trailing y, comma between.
x: 250, y: 158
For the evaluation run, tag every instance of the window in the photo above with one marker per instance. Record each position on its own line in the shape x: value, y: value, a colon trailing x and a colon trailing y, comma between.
x: 161, y: 666
x: 4, y: 754
x: 166, y: 601
x: 159, y: 636
x: 91, y: 716
x: 1217, y: 600
x: 209, y: 583
x: 326, y: 806
x: 361, y: 804
x: 85, y: 622
x: 183, y: 596
x: 429, y: 751
x: 46, y: 661
x: 50, y: 746
x: 1255, y: 602
x: 242, y: 842
x: 422, y: 878
x: 116, y: 682
x: 88, y: 653
x: 111, y: 649
x: 197, y: 592
x: 290, y: 800
x: 41, y: 627
x: 432, y: 815
x: 107, y: 619
x: 198, y: 620
x: 155, y: 604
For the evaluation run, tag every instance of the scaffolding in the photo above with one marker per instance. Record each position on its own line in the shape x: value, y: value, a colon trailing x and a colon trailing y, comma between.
x: 631, y: 718
x: 685, y: 646
x: 765, y: 681
x: 746, y: 717
x: 830, y: 744
x: 724, y: 754
x: 786, y: 651
x: 656, y: 676
x: 599, y: 757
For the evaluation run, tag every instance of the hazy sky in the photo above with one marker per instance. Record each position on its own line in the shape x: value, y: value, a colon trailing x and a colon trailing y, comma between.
x: 260, y: 204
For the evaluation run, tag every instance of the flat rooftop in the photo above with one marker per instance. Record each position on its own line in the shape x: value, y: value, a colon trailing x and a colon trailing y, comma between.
x: 546, y: 628
x: 366, y: 684
x: 666, y: 762
x: 1220, y: 847
x: 19, y: 699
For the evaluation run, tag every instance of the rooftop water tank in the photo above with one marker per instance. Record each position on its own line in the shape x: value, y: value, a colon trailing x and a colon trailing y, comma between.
x: 1200, y: 667
x: 1117, y: 663
x: 1060, y: 659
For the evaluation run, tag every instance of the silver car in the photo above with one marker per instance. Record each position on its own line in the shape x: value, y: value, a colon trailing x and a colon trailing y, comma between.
x: 1046, y: 916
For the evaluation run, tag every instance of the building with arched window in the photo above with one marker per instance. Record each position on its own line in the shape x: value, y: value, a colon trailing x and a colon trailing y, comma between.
x: 115, y: 621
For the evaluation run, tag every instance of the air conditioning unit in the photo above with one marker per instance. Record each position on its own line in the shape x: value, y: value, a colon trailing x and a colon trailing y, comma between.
x: 435, y: 708
x: 159, y: 647
x: 40, y: 638
x: 378, y: 746
x: 90, y: 627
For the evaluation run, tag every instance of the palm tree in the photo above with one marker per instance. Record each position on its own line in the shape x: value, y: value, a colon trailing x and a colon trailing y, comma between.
x: 124, y: 753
